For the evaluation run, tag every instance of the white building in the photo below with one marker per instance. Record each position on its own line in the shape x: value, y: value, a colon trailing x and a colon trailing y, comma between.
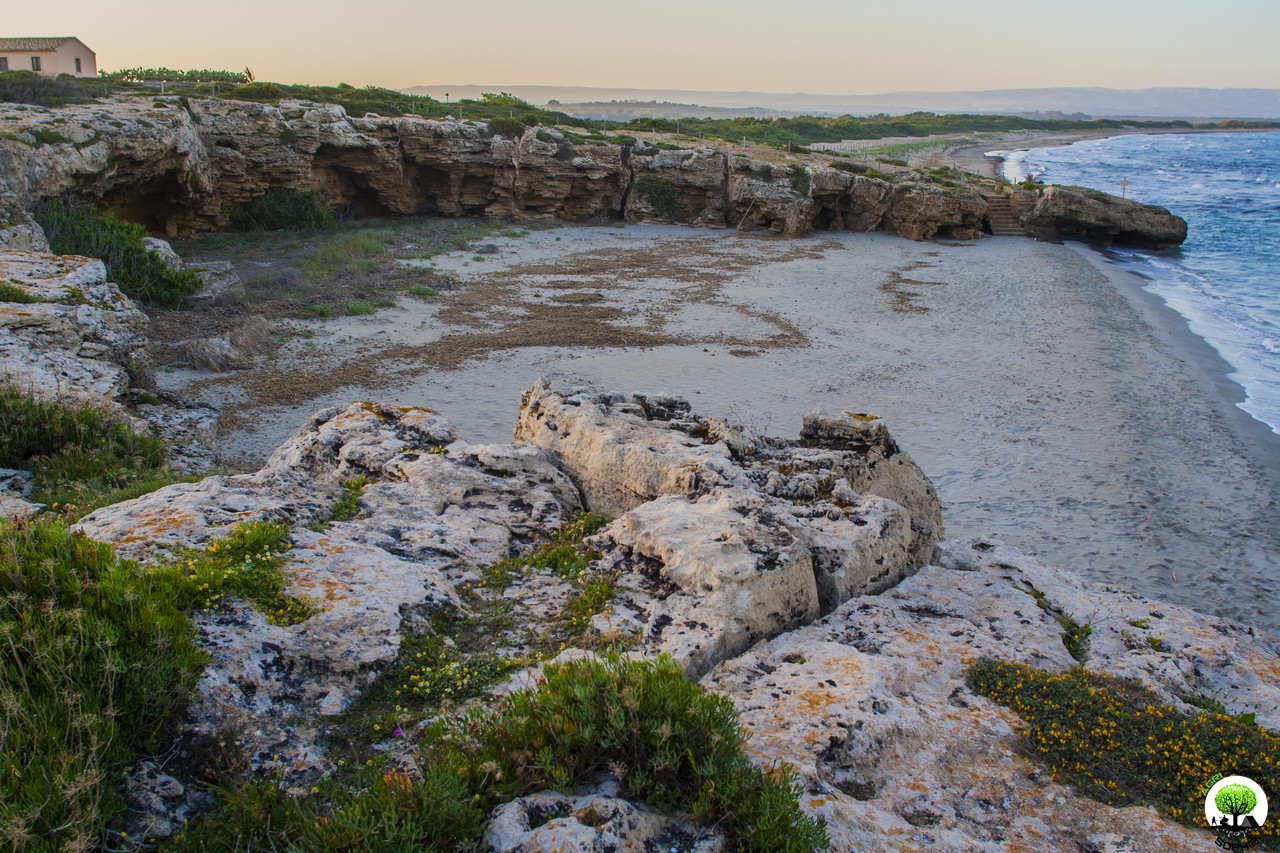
x: 48, y: 56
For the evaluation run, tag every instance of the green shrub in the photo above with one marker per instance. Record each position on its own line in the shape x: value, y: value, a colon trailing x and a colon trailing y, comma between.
x: 27, y: 87
x: 386, y: 811
x: 96, y: 660
x: 508, y: 127
x: 1117, y: 742
x: 173, y: 75
x: 668, y: 743
x: 799, y: 179
x: 280, y: 207
x: 244, y: 564
x: 423, y: 292
x: 661, y: 195
x: 81, y: 457
x: 75, y: 230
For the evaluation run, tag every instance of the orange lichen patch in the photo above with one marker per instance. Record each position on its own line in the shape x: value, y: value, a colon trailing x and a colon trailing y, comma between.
x: 325, y: 589
x: 328, y: 546
x: 155, y: 525
x: 1266, y: 667
x: 818, y: 803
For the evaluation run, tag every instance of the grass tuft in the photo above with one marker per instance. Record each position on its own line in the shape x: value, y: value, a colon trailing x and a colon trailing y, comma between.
x: 245, y: 564
x: 666, y: 741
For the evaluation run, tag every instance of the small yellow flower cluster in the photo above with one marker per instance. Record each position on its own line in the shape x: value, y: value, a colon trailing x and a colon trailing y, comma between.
x: 1117, y: 742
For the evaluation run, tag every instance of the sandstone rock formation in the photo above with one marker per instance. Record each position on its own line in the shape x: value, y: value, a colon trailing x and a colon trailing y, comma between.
x: 429, y: 520
x: 1077, y: 213
x: 181, y: 167
x: 871, y: 704
x: 73, y: 332
x: 789, y: 572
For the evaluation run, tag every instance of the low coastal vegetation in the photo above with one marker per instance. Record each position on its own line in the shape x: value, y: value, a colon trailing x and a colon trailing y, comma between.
x: 666, y: 742
x: 508, y: 115
x: 81, y: 457
x: 140, y: 274
x: 1115, y: 741
x: 97, y: 658
x: 280, y: 207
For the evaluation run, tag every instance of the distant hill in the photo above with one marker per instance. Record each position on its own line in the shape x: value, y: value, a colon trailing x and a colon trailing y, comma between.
x: 1125, y: 103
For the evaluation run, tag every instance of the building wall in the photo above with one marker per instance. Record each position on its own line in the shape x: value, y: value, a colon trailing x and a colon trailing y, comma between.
x: 55, y: 62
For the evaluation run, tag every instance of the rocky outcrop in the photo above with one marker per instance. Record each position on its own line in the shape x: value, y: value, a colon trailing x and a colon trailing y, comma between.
x: 870, y: 704
x: 17, y: 229
x: 703, y: 568
x: 65, y: 331
x: 69, y: 335
x: 433, y: 513
x: 181, y: 167
x: 1077, y: 213
x: 844, y: 508
x: 788, y: 573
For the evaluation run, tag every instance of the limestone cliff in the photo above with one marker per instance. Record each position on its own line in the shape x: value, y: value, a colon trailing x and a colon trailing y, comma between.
x: 178, y: 166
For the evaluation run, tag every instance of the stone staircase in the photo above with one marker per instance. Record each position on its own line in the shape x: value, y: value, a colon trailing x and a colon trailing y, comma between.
x: 1000, y: 215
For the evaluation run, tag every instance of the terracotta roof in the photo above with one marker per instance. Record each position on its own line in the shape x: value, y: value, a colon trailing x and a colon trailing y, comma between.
x: 35, y: 44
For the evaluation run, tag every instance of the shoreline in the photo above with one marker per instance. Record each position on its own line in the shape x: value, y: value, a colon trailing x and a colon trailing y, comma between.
x: 1206, y: 364
x: 1053, y: 403
x: 973, y: 157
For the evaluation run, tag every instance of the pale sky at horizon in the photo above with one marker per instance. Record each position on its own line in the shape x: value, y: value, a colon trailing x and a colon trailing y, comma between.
x: 822, y: 46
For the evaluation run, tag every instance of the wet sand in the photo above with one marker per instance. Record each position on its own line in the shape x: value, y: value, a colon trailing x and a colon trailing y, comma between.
x: 1054, y: 403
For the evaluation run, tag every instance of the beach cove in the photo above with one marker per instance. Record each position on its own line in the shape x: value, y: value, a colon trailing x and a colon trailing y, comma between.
x: 1054, y: 404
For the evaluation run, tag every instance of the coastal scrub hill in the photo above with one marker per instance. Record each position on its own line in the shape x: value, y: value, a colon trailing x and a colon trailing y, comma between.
x: 181, y: 164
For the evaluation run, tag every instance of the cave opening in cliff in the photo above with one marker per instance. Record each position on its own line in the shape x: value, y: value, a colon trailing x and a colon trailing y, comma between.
x: 154, y: 207
x: 828, y: 219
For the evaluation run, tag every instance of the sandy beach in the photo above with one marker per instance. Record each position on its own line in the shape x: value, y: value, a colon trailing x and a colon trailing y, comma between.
x: 1054, y: 404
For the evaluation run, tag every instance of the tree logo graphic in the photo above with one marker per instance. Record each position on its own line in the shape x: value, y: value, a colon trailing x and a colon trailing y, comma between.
x: 1235, y: 806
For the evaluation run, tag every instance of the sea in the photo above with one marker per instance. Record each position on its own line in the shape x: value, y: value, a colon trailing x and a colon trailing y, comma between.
x: 1225, y: 279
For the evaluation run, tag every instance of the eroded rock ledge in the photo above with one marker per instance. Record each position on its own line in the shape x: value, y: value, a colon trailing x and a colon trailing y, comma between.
x: 803, y: 579
x: 179, y: 167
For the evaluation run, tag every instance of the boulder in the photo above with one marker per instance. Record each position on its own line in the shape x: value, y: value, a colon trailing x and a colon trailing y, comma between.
x: 73, y: 333
x: 222, y: 284
x: 14, y: 486
x: 723, y: 539
x: 550, y: 822
x: 232, y: 351
x: 162, y: 250
x: 18, y: 230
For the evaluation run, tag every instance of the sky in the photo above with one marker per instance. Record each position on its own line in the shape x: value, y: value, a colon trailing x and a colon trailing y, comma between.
x: 820, y: 46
